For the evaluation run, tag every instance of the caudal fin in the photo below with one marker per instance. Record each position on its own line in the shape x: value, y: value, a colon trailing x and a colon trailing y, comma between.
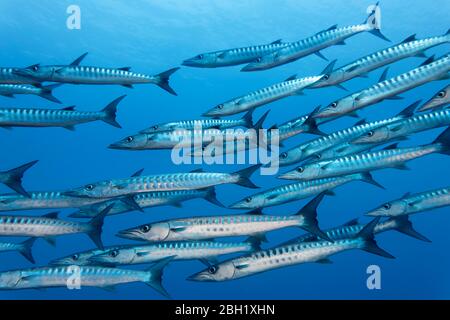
x: 110, y: 111
x: 211, y: 197
x: 244, y: 176
x: 444, y: 141
x: 163, y: 80
x: 370, y: 245
x: 13, y: 178
x: 374, y: 24
x: 156, y: 273
x: 310, y: 123
x: 404, y: 225
x: 96, y: 227
x: 367, y: 177
x: 309, y: 214
x: 46, y: 92
x: 25, y: 249
x: 248, y: 119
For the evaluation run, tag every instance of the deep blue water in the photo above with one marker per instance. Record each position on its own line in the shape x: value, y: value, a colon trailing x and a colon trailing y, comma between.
x: 152, y: 36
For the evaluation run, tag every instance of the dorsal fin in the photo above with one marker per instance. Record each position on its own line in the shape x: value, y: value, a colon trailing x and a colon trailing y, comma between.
x: 410, y: 38
x: 409, y: 110
x: 360, y: 122
x: 257, y: 211
x: 406, y: 195
x: 350, y: 223
x: 33, y: 66
x: 137, y: 173
x: 293, y: 77
x: 51, y: 215
x: 77, y: 61
x: 383, y: 76
x: 69, y: 108
x: 391, y: 146
x: 334, y: 26
x: 329, y: 68
x: 124, y: 68
x: 428, y: 61
x: 199, y: 170
x: 278, y: 41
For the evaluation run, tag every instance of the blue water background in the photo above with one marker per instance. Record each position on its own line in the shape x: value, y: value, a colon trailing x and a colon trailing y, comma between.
x: 152, y: 36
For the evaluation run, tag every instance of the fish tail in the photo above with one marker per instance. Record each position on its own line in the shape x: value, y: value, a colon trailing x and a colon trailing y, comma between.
x: 255, y: 243
x: 248, y: 119
x: 109, y: 112
x: 46, y: 92
x: 244, y: 176
x: 155, y: 276
x: 367, y: 177
x: 404, y: 225
x: 162, y: 80
x: 373, y: 23
x: 259, y: 124
x: 96, y: 224
x: 25, y: 249
x: 443, y: 141
x: 370, y: 245
x: 309, y: 217
x: 310, y: 123
x: 211, y: 197
x: 13, y: 178
x: 84, y: 212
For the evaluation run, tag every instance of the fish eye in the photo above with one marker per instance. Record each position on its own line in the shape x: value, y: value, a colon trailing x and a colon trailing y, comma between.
x: 326, y: 77
x: 114, y: 253
x: 370, y: 133
x: 200, y: 57
x: 212, y: 269
x: 333, y: 105
x: 35, y: 68
x: 155, y: 127
x: 300, y: 169
x: 146, y: 228
x: 441, y: 94
x: 318, y: 156
x: 283, y: 155
x: 75, y: 257
x: 387, y: 206
x: 258, y: 59
x: 220, y: 106
x: 129, y: 139
x: 89, y: 187
x: 248, y: 200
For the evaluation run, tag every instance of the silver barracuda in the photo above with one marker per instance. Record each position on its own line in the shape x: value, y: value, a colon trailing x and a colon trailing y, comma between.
x: 128, y: 187
x: 416, y: 123
x: 185, y: 138
x: 288, y: 255
x: 233, y: 57
x: 42, y: 200
x: 83, y: 258
x: 206, y: 251
x: 413, y: 203
x: 245, y: 121
x: 350, y: 229
x: 76, y: 74
x: 321, y: 40
x: 66, y: 118
x: 13, y: 178
x: 89, y: 276
x: 440, y: 99
x: 297, y: 191
x: 24, y: 248
x: 49, y: 226
x: 9, y: 90
x: 430, y: 70
x: 148, y: 200
x: 318, y: 145
x: 390, y: 157
x: 200, y: 228
x: 410, y: 47
x: 290, y: 87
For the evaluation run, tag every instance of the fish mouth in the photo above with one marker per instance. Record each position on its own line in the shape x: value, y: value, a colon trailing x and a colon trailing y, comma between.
x: 117, y: 146
x: 288, y: 176
x: 23, y: 73
x: 74, y: 194
x: 200, y: 276
x: 192, y: 62
x: 250, y: 67
x: 210, y: 113
x: 238, y: 205
x: 128, y: 234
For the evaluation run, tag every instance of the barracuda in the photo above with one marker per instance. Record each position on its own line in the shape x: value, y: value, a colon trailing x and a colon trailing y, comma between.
x: 320, y: 144
x: 186, y: 138
x: 24, y: 248
x: 148, y: 200
x: 352, y: 228
x: 288, y: 255
x: 390, y: 157
x: 10, y: 76
x: 414, y: 203
x: 440, y: 99
x: 233, y: 57
x: 315, y: 43
x: 66, y: 118
x: 82, y: 258
x: 76, y: 74
x: 9, y: 90
x: 49, y: 226
x: 341, y: 150
x: 430, y: 70
x: 42, y: 200
x: 13, y: 178
x: 289, y: 87
x: 410, y: 47
x: 128, y: 187
x: 298, y: 191
x: 251, y: 224
x: 245, y: 121
x: 206, y: 251
x: 416, y: 123
x: 90, y: 276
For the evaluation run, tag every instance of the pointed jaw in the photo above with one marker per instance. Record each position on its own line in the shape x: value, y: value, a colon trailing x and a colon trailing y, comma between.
x: 129, y: 234
x: 290, y: 175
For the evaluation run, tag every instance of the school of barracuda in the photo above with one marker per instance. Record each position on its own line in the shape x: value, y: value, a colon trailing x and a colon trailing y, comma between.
x: 322, y: 164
